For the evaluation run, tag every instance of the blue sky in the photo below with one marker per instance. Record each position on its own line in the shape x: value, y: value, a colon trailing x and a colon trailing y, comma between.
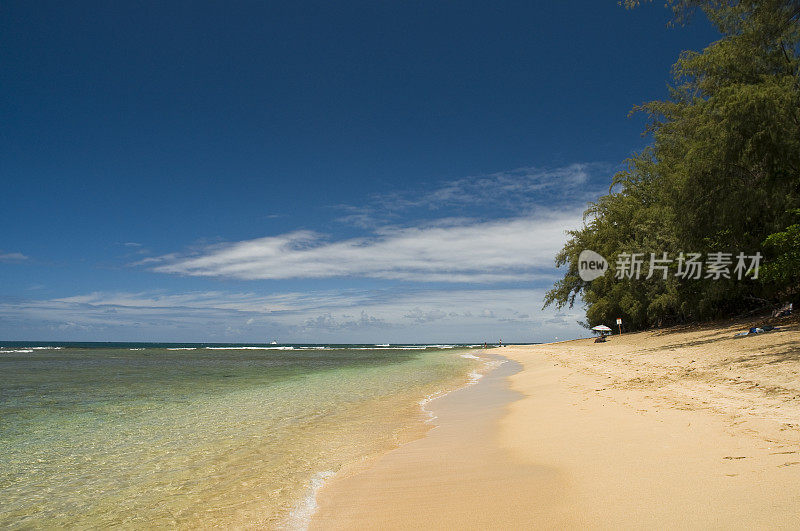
x: 310, y: 171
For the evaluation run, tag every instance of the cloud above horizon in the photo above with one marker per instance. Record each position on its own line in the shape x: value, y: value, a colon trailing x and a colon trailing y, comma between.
x: 502, y: 227
x: 334, y: 315
x: 505, y: 250
x: 470, y: 258
x: 12, y: 257
x: 511, y: 193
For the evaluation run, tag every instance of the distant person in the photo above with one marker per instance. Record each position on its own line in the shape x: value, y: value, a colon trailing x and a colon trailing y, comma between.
x: 485, y: 345
x: 501, y: 342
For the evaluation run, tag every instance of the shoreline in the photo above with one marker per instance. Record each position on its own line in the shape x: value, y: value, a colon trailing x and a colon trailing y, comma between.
x: 301, y: 516
x: 429, y: 482
x: 678, y: 429
x: 199, y: 438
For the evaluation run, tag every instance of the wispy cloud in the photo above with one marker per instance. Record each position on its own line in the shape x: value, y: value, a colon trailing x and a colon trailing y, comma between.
x: 421, y: 316
x: 513, y: 188
x: 12, y: 257
x: 501, y: 227
x: 221, y: 301
x: 452, y: 251
x: 355, y: 315
x: 329, y: 322
x: 499, y: 194
x: 496, y: 231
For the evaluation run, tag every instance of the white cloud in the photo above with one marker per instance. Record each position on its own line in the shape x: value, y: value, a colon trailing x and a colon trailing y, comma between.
x: 420, y: 316
x: 513, y: 188
x: 492, y: 229
x: 219, y: 301
x: 328, y: 322
x: 12, y: 257
x: 332, y: 316
x: 454, y: 251
x: 499, y: 194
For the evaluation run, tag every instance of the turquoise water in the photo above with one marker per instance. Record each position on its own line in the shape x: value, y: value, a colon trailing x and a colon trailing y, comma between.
x: 141, y: 435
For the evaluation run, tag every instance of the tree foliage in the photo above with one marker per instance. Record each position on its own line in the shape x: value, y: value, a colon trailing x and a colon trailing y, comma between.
x: 721, y: 174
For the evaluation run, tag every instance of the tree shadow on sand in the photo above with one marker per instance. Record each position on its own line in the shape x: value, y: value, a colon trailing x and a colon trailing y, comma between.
x: 716, y: 334
x: 789, y: 352
x: 716, y: 328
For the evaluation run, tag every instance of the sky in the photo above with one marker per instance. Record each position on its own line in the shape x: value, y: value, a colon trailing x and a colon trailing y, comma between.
x: 359, y: 172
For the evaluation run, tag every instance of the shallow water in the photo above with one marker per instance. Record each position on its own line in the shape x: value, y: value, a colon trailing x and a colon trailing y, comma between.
x: 139, y: 436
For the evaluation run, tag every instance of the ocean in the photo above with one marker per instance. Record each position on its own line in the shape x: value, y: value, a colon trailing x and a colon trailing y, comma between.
x: 185, y: 435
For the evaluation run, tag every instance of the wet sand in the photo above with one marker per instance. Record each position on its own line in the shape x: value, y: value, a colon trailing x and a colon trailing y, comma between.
x: 441, y: 481
x: 683, y: 428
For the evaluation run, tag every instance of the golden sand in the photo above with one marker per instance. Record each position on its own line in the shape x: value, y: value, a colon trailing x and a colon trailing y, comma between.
x: 683, y: 428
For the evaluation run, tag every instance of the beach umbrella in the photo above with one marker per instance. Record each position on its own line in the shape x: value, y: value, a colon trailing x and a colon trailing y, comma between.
x: 602, y: 328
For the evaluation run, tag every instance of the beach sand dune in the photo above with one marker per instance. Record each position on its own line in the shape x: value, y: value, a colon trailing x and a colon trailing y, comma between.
x: 679, y: 428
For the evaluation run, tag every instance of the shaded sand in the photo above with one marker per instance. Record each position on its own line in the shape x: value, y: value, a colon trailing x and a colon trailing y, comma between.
x: 673, y: 429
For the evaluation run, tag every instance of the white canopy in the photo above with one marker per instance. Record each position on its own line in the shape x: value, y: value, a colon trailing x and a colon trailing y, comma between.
x: 602, y: 328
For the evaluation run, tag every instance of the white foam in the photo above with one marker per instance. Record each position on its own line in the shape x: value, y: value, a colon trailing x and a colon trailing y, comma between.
x: 300, y: 517
x: 488, y: 366
x: 428, y: 399
x: 388, y: 348
x: 136, y: 349
x: 182, y: 348
x: 19, y: 350
x: 250, y: 348
x: 27, y: 349
x: 472, y: 378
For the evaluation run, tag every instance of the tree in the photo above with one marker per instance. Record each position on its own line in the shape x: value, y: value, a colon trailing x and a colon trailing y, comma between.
x: 721, y: 174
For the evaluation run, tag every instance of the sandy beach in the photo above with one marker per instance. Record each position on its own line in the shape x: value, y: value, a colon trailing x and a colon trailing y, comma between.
x: 676, y: 428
